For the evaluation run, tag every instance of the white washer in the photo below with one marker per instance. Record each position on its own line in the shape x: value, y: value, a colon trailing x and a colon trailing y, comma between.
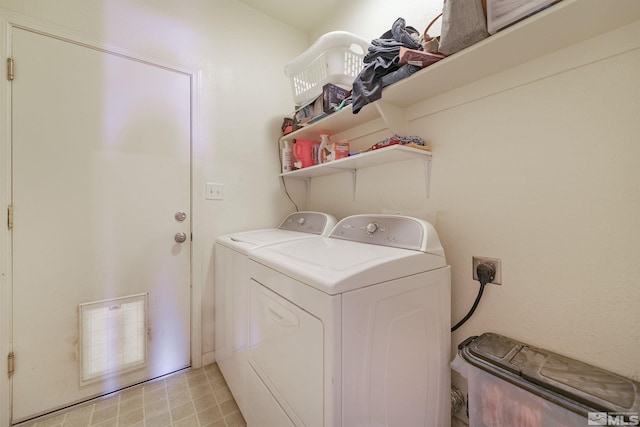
x: 231, y: 289
x: 352, y: 329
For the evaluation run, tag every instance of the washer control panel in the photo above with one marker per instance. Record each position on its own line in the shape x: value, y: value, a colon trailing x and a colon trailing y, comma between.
x: 387, y: 230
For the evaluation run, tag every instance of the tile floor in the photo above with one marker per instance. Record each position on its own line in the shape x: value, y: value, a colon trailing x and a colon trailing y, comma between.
x: 191, y: 398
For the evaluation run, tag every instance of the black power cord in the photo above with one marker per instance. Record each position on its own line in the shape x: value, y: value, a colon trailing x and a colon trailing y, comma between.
x: 284, y: 183
x: 486, y: 273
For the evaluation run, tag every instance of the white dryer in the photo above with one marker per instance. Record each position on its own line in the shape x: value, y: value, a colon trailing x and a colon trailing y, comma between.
x: 352, y: 329
x: 231, y: 289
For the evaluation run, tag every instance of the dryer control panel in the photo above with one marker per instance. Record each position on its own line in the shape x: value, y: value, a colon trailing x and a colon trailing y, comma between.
x: 387, y: 230
x: 309, y: 222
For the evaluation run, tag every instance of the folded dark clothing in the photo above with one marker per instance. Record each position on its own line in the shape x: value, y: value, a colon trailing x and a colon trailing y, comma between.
x: 382, y: 60
x: 401, y: 73
x: 404, y: 34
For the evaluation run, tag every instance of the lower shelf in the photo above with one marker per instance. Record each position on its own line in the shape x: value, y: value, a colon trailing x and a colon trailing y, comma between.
x: 394, y: 153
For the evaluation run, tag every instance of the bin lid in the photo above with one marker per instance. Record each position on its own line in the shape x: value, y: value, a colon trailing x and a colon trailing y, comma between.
x: 567, y: 382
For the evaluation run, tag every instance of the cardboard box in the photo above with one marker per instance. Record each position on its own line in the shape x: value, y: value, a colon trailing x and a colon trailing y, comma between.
x: 308, y: 112
x: 332, y: 97
x: 418, y: 57
x: 335, y: 151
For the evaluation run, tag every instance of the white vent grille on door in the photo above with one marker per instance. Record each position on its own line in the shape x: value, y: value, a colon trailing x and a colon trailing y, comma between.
x: 113, y: 336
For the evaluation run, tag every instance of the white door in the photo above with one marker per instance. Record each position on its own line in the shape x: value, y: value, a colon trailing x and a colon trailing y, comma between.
x: 101, y: 165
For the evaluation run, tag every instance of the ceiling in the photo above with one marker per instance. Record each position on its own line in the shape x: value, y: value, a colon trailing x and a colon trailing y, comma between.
x: 304, y: 15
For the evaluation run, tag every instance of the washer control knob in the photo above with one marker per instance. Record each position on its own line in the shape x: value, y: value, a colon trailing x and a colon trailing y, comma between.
x: 371, y: 228
x: 301, y: 221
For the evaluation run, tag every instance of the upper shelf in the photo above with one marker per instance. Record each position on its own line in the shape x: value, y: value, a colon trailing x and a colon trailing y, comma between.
x: 560, y: 26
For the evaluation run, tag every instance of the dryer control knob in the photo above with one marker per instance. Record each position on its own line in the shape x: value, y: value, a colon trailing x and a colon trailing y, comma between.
x: 371, y: 228
x: 301, y: 221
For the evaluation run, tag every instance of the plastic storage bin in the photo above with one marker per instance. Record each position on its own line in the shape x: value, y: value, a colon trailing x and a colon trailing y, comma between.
x: 514, y: 384
x: 335, y: 57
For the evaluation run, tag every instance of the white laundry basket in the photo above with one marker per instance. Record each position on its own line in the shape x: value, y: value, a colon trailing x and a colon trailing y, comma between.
x: 335, y: 57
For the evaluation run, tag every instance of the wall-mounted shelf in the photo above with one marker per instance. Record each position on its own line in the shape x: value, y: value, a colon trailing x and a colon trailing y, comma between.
x: 394, y: 153
x: 560, y: 26
x: 392, y: 116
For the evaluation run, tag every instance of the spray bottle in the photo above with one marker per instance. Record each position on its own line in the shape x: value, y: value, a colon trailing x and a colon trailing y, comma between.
x: 324, y: 141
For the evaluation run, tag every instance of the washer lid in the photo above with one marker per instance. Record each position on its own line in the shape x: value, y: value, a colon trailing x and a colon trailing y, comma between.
x: 338, y: 264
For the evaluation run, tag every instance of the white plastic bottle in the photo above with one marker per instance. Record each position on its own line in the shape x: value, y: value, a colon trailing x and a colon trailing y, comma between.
x: 324, y: 141
x: 287, y: 157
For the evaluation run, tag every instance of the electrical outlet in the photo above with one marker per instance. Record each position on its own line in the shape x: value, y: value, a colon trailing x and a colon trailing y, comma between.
x: 215, y: 191
x: 496, y: 263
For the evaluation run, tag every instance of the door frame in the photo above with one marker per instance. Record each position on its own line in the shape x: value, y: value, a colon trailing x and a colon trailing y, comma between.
x: 9, y: 21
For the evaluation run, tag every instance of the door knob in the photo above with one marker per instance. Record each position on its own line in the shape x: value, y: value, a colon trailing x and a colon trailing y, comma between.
x: 180, y: 216
x: 180, y: 237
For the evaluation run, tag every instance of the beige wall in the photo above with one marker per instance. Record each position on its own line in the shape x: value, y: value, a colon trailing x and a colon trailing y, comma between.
x: 537, y: 166
x: 371, y: 18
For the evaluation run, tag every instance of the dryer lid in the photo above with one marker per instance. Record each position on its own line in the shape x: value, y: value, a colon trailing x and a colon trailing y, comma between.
x: 296, y: 225
x: 262, y: 237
